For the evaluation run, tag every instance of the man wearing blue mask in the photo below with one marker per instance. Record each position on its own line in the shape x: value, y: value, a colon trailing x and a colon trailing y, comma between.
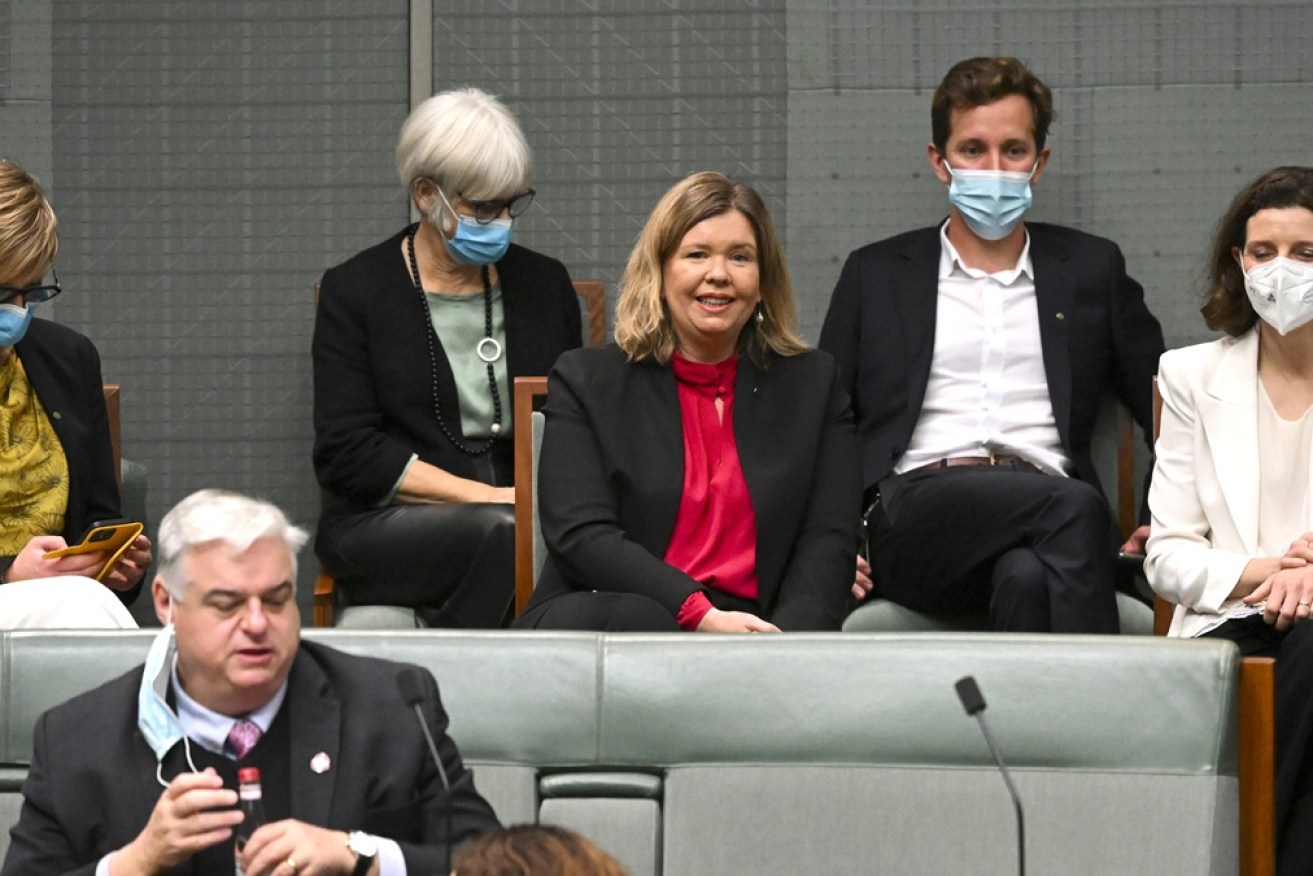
x: 140, y: 775
x: 977, y: 354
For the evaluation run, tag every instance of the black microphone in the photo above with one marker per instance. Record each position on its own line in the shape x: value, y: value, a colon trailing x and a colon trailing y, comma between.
x: 411, y: 686
x: 974, y: 703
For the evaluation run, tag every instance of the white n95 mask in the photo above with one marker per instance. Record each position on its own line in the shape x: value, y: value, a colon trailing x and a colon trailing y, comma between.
x: 1281, y: 291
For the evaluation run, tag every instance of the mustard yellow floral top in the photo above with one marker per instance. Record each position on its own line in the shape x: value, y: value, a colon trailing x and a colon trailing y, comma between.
x: 33, y: 469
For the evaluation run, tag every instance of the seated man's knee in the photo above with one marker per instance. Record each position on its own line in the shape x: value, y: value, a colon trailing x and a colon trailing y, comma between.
x: 1075, y: 504
x: 1020, y: 571
x: 1020, y: 598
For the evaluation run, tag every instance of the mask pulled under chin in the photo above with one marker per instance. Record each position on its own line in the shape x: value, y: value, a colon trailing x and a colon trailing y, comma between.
x: 158, y: 723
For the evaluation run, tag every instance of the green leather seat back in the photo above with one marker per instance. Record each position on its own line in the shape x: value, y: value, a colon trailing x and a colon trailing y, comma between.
x: 804, y: 753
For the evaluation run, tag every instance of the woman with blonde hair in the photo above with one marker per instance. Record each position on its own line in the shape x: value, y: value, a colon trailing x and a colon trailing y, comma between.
x: 56, y: 468
x: 701, y: 473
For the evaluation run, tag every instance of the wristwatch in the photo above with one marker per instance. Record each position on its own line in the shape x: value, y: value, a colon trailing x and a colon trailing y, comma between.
x: 365, y: 847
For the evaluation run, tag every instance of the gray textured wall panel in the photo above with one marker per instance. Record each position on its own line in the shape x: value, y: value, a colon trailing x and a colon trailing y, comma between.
x: 619, y: 100
x: 213, y: 160
x: 25, y: 86
x: 857, y: 173
x: 1167, y: 163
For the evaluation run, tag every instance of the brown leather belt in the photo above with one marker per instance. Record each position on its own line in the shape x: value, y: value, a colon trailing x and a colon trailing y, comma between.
x: 998, y: 460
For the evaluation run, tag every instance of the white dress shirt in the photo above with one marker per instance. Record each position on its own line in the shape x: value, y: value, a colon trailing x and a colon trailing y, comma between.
x: 988, y: 390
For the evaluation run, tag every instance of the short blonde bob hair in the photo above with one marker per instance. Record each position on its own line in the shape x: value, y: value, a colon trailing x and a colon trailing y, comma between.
x: 466, y: 141
x: 643, y: 327
x: 29, y: 232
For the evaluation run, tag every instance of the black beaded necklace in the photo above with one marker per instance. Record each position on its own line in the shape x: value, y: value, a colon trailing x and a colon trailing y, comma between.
x: 488, y: 349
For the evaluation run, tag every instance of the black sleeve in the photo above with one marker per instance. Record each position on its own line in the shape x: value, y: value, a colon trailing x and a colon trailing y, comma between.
x: 1137, y: 344
x: 841, y: 330
x: 814, y: 589
x: 353, y: 456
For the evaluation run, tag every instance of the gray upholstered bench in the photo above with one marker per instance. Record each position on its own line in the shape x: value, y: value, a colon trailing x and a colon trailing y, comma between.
x: 803, y: 753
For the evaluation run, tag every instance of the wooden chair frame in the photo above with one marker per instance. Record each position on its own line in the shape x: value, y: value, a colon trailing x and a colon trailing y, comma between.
x: 1256, y: 709
x: 593, y: 292
x: 527, y: 391
x: 112, y: 415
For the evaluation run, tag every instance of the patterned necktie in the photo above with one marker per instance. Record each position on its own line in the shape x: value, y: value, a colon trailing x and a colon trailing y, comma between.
x: 243, y: 737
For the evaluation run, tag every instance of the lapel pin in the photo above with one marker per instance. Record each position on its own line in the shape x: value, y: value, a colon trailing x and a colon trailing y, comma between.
x: 321, y: 762
x: 55, y: 415
x: 1061, y: 315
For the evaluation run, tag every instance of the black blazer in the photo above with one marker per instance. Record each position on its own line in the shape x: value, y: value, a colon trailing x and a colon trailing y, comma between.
x: 611, y: 475
x: 1097, y: 335
x: 89, y: 793
x: 373, y: 390
x: 64, y: 370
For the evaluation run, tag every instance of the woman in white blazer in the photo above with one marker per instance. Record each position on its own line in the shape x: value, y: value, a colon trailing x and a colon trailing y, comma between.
x: 1230, y: 496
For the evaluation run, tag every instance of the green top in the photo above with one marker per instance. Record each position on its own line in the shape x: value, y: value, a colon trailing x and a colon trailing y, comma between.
x: 458, y: 320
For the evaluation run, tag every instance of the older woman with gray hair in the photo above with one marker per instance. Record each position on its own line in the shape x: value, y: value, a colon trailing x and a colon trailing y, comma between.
x: 417, y: 342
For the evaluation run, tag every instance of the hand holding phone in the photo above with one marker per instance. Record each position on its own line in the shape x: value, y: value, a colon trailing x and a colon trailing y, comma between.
x: 110, y: 537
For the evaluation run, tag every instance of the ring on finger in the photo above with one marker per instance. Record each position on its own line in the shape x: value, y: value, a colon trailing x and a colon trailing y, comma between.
x: 1305, y: 604
x: 291, y: 863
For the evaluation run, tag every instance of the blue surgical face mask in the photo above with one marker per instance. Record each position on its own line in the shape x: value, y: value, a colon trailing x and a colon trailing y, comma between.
x: 991, y: 202
x: 474, y: 244
x: 155, y: 719
x: 14, y: 320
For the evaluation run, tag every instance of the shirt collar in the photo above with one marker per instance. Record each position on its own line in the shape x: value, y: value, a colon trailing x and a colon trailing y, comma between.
x: 951, y: 264
x: 209, y: 728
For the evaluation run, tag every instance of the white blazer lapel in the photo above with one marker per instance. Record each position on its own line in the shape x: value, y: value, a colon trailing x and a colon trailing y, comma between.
x: 1228, y: 414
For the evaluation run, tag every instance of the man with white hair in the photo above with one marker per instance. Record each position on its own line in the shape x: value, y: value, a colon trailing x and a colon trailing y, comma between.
x: 349, y: 786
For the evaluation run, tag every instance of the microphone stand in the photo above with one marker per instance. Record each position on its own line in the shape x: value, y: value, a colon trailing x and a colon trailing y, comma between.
x: 974, y: 703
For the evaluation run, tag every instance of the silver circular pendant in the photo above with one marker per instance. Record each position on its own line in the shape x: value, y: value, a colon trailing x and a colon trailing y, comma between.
x: 484, y: 346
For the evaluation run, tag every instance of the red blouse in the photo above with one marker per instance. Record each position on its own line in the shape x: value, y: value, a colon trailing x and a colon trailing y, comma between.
x: 715, y: 536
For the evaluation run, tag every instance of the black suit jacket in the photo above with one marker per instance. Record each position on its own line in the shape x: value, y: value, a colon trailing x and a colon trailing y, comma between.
x: 373, y: 389
x: 1097, y: 336
x: 64, y: 370
x: 92, y: 784
x: 611, y: 475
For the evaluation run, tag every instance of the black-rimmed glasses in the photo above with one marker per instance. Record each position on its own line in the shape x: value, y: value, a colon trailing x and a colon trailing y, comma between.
x: 486, y: 211
x: 31, y: 294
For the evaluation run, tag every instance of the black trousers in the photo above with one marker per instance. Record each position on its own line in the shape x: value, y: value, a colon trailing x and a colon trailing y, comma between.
x: 1293, y: 650
x: 453, y: 562
x: 610, y: 612
x: 1037, y: 552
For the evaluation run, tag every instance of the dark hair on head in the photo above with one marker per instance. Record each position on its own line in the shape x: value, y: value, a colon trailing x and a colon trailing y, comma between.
x: 534, y: 850
x: 980, y: 81
x: 1226, y: 305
